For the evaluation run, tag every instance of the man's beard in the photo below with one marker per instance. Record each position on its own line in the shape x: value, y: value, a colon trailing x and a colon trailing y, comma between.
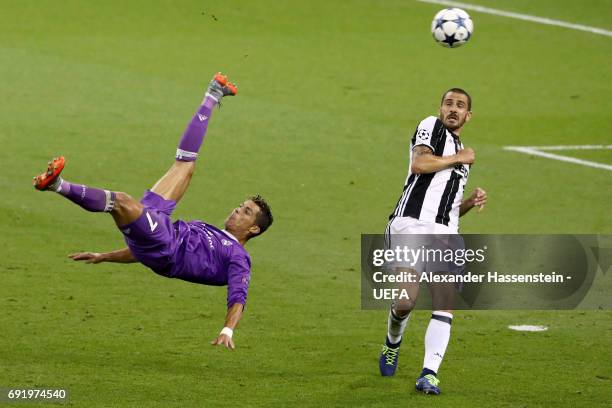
x: 459, y: 123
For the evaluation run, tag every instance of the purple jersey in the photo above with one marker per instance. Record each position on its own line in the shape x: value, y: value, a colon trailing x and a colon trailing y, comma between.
x: 193, y: 251
x: 207, y: 255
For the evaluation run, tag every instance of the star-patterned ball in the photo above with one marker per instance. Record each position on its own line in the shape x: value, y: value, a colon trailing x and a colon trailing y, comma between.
x: 452, y: 27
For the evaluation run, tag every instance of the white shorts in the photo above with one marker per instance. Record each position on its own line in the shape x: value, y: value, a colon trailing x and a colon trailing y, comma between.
x: 409, y: 225
x: 407, y: 232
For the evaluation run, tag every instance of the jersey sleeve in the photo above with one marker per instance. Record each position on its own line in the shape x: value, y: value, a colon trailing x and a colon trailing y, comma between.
x: 239, y: 276
x: 424, y: 133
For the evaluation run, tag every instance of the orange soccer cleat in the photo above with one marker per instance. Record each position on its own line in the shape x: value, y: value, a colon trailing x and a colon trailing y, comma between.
x: 220, y: 78
x: 54, y: 168
x: 220, y: 87
x: 230, y: 89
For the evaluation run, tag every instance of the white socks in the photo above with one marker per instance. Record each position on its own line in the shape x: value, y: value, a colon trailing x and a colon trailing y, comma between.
x: 436, y: 339
x: 436, y: 336
x: 57, y: 185
x: 396, y: 327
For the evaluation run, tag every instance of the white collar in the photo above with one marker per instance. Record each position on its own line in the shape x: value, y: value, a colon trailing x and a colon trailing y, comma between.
x: 229, y: 234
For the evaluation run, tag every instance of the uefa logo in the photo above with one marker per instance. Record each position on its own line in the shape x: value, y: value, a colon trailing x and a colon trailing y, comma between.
x: 422, y: 134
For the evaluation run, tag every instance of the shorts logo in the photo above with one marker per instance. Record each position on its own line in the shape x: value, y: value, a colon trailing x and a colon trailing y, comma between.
x: 152, y: 224
x: 226, y: 242
x: 202, y: 117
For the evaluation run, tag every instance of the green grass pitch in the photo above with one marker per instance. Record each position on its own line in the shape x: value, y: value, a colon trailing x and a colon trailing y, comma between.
x: 330, y: 92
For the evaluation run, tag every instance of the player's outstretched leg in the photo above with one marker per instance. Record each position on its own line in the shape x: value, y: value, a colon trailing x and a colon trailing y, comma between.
x: 436, y: 341
x: 174, y: 183
x: 192, y: 139
x: 122, y: 207
x: 91, y: 199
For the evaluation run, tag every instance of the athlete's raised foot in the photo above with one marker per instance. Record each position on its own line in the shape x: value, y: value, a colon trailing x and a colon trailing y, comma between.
x: 45, y: 180
x: 220, y: 87
x: 388, y: 360
x: 428, y: 384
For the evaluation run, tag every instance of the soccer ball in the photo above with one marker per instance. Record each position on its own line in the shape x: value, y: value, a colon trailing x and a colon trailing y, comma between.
x: 452, y: 27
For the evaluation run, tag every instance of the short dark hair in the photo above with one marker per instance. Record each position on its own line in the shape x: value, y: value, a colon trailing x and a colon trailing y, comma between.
x: 264, y: 217
x: 460, y: 91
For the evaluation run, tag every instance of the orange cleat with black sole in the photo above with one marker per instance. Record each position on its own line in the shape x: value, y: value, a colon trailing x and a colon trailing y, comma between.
x: 220, y: 78
x: 220, y: 87
x: 54, y: 168
x: 231, y: 89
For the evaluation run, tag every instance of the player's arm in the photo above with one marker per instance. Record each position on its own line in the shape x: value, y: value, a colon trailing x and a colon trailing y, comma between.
x: 120, y: 256
x: 424, y: 161
x: 477, y: 199
x: 234, y: 313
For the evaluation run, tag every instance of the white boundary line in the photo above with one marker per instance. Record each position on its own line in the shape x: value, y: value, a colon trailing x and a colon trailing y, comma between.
x: 572, y: 147
x: 537, y: 151
x: 519, y: 16
x: 528, y: 328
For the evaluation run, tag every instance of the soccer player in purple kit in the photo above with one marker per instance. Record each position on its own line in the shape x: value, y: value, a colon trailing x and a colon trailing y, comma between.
x: 189, y: 250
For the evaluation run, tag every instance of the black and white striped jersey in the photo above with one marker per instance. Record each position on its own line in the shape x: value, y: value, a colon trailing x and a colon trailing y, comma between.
x: 434, y: 197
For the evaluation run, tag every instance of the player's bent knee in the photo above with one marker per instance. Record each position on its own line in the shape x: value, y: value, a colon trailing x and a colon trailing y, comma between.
x: 127, y: 203
x: 126, y: 209
x: 403, y: 307
x: 122, y: 200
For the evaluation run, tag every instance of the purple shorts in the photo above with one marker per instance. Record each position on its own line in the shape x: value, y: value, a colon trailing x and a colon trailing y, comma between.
x: 151, y: 238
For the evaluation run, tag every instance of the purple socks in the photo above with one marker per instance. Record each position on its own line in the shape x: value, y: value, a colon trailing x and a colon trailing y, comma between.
x: 192, y: 139
x: 91, y: 199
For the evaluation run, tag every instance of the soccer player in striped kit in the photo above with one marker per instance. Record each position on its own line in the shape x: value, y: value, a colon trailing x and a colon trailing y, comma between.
x: 193, y: 251
x: 431, y: 203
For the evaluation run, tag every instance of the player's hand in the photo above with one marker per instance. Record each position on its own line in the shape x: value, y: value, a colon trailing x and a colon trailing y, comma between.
x: 224, y: 340
x: 88, y: 257
x: 478, y: 198
x: 466, y: 156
